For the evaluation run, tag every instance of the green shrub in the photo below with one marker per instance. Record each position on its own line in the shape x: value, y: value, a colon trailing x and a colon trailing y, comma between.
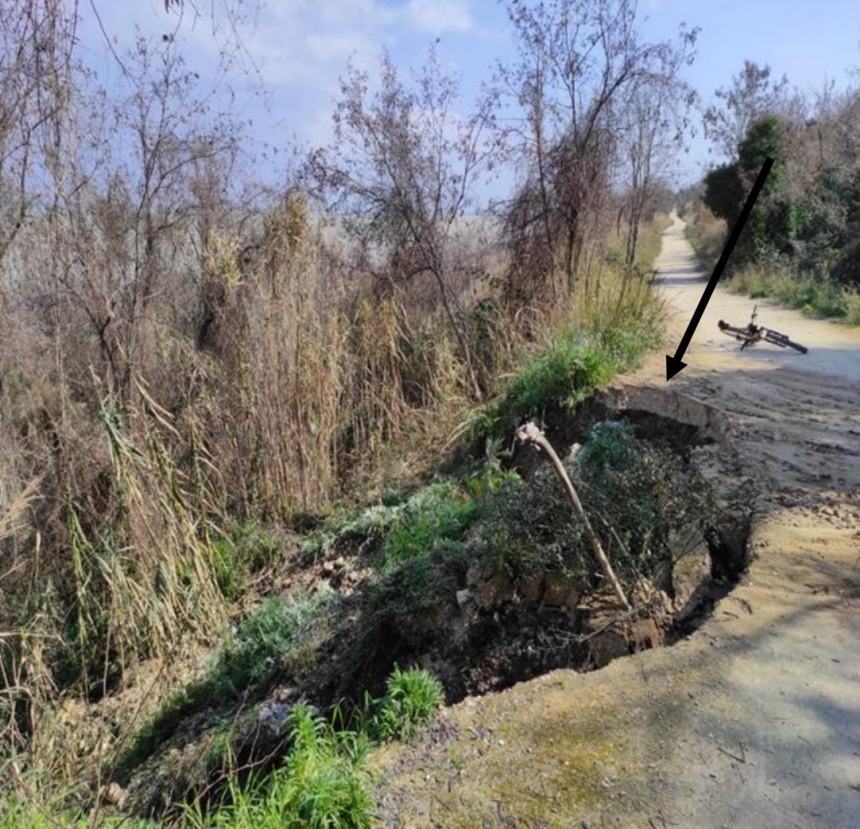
x: 610, y: 444
x: 562, y: 375
x: 707, y: 234
x: 370, y: 525
x: 525, y: 528
x: 437, y: 513
x: 638, y: 495
x: 815, y: 296
x: 852, y: 307
x: 411, y: 700
x: 634, y: 493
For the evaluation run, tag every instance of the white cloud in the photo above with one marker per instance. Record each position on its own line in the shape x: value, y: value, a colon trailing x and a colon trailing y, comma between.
x: 439, y: 16
x: 299, y: 47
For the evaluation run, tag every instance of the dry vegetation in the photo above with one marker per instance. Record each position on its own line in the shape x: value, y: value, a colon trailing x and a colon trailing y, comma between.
x: 190, y: 364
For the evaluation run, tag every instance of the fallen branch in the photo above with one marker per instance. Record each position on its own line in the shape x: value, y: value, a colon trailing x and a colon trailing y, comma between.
x: 530, y: 433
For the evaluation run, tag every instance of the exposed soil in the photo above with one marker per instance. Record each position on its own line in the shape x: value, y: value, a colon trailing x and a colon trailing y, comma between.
x: 521, y: 636
x: 753, y: 717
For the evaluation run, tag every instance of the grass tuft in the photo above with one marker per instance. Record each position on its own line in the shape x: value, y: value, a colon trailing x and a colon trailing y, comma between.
x: 411, y: 700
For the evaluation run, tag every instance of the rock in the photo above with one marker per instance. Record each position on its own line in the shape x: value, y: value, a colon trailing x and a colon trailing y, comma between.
x: 272, y: 720
x: 464, y: 597
x: 328, y: 567
x: 494, y: 591
x: 531, y: 588
x: 691, y: 579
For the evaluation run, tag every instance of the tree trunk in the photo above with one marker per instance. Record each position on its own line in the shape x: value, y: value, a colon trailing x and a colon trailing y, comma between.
x: 462, y: 339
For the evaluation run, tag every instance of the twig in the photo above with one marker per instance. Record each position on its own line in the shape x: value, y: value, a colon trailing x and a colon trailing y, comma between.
x: 530, y: 433
x: 733, y: 756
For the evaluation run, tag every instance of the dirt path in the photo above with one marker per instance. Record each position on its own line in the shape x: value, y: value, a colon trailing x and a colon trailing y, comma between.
x: 754, y: 720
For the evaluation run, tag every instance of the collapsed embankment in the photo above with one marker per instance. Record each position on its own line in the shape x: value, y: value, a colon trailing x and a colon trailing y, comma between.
x: 484, y: 583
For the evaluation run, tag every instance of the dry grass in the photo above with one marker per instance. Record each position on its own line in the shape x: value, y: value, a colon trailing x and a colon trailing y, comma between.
x: 294, y: 385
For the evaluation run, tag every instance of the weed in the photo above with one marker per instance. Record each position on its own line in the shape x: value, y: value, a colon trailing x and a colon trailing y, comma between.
x: 411, y: 700
x: 322, y: 785
x: 561, y: 375
x: 440, y: 512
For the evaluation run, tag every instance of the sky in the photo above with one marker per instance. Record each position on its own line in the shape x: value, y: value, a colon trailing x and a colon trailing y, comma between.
x: 299, y: 48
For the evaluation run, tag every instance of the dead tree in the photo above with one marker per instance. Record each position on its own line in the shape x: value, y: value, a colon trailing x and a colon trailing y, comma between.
x: 530, y: 433
x: 403, y: 167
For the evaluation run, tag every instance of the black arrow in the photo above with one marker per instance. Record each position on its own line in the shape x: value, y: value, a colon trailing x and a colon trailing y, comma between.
x: 676, y: 364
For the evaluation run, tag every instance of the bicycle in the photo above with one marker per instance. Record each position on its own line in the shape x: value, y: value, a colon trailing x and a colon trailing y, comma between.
x: 756, y: 333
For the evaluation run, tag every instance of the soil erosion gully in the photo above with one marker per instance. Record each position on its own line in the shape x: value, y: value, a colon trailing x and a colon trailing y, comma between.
x: 753, y: 720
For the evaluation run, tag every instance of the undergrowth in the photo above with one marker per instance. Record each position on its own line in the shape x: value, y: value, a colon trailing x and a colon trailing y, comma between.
x: 170, y: 552
x: 323, y: 783
x: 19, y: 813
x: 816, y: 296
x: 268, y: 641
x: 634, y: 492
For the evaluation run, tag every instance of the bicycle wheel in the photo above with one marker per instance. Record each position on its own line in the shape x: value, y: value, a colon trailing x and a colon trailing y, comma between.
x: 775, y: 338
x: 797, y: 346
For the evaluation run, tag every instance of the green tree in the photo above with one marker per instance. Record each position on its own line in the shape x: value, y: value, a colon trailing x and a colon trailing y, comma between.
x: 724, y: 192
x: 772, y: 226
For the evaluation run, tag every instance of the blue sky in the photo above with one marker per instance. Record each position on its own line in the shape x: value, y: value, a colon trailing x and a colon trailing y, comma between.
x: 301, y: 46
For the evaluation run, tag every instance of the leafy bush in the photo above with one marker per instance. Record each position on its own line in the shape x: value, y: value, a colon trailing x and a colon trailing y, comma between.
x: 610, y: 444
x: 852, y: 307
x: 813, y: 295
x: 707, y: 234
x: 562, y: 375
x: 634, y: 493
x: 638, y: 495
x: 526, y: 528
x: 411, y: 700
